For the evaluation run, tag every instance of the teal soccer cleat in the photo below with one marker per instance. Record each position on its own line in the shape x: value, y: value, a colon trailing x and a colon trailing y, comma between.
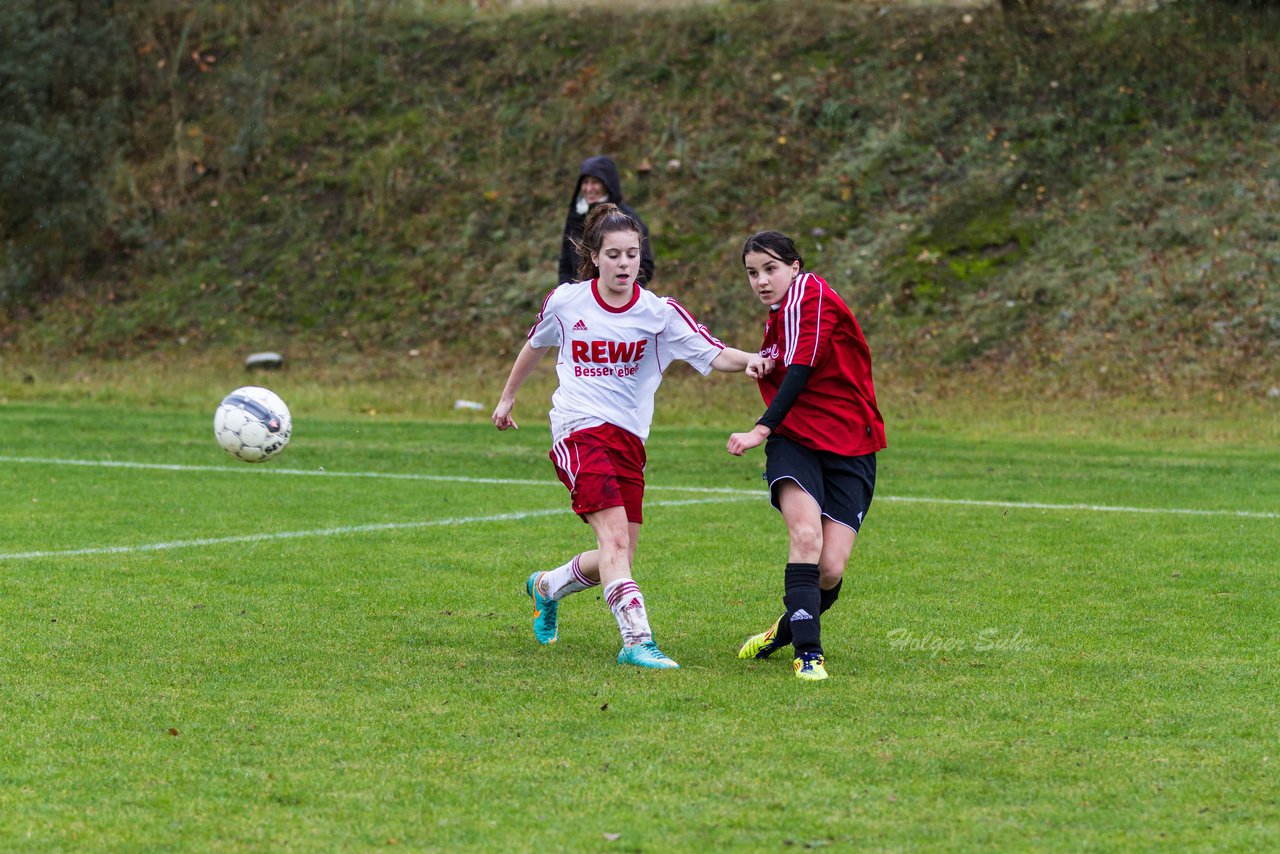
x: 646, y: 654
x: 544, y: 611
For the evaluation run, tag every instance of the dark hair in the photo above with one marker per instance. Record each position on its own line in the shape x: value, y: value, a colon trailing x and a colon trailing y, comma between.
x: 605, y: 218
x: 773, y: 243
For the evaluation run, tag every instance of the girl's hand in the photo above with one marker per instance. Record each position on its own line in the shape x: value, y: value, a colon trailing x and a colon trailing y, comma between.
x: 740, y: 443
x: 502, y: 415
x: 758, y: 366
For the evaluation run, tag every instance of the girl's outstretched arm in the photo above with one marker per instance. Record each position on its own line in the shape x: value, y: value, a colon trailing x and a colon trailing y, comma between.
x: 732, y: 360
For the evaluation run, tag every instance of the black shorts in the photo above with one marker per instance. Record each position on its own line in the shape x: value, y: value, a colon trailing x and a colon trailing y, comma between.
x: 841, y: 485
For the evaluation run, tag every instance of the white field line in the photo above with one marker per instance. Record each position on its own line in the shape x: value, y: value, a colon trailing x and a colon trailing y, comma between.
x: 701, y: 490
x: 330, y: 532
x: 1092, y: 508
x: 249, y: 469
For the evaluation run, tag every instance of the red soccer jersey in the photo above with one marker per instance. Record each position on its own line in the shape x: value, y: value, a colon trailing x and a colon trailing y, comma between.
x: 837, y: 410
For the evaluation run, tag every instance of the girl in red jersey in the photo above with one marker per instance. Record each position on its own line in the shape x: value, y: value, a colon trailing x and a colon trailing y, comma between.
x: 615, y: 339
x: 821, y: 430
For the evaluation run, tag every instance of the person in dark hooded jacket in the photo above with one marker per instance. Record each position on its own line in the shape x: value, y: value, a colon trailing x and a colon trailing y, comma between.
x: 598, y: 182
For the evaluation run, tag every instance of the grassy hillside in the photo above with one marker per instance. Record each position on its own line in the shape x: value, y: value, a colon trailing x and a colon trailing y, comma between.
x: 1092, y: 200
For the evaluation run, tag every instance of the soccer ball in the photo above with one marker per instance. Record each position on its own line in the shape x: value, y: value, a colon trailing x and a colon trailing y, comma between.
x: 252, y: 424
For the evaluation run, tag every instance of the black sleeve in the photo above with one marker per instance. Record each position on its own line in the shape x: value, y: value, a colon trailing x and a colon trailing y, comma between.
x: 792, y: 384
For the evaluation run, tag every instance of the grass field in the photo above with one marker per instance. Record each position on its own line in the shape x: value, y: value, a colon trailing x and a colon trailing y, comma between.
x: 1044, y: 642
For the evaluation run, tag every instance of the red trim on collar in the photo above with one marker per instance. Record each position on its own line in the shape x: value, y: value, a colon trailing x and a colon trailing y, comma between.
x: 595, y: 292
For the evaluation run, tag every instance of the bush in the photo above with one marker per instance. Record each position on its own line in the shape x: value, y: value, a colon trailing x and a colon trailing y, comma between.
x: 65, y: 65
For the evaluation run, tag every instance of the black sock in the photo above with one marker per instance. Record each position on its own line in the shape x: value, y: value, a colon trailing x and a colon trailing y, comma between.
x: 827, y: 598
x: 803, y: 601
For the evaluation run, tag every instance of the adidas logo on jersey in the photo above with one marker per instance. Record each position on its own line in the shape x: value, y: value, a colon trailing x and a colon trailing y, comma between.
x: 579, y: 327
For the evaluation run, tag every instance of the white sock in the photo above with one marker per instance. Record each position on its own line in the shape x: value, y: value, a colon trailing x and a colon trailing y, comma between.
x: 627, y: 604
x: 564, y: 580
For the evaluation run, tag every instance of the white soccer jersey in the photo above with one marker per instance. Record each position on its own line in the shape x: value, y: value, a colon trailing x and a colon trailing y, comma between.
x: 611, y: 359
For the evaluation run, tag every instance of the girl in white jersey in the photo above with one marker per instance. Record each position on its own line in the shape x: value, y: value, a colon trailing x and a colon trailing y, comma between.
x: 614, y: 339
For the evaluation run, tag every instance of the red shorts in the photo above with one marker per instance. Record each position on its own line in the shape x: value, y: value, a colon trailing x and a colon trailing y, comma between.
x: 602, y: 467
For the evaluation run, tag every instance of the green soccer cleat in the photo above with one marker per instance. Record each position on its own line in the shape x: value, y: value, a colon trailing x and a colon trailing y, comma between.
x: 810, y: 665
x: 544, y: 611
x: 646, y: 654
x: 762, y: 645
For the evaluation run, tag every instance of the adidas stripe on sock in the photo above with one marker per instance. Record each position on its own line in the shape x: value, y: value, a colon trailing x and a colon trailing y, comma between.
x: 565, y: 580
x: 828, y: 598
x: 803, y: 601
x: 627, y: 603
